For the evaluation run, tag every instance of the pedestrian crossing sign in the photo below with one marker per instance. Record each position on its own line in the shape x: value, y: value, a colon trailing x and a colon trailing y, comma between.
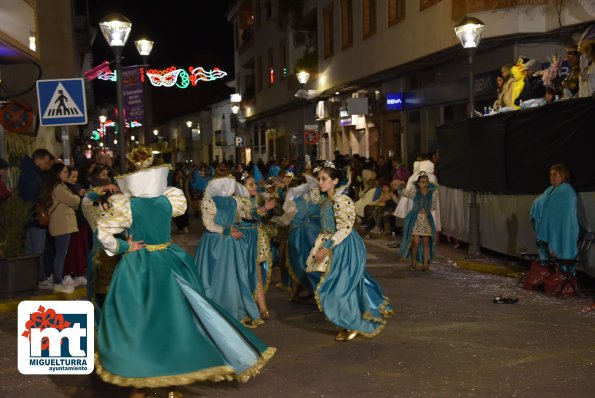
x: 61, y: 102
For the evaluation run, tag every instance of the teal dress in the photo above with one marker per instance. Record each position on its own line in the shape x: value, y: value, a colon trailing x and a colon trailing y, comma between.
x: 304, y: 229
x: 158, y: 328
x: 347, y: 294
x: 258, y: 248
x: 224, y: 265
x: 428, y: 203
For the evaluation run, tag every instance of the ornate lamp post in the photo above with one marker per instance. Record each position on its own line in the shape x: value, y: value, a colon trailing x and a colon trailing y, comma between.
x: 469, y: 30
x: 102, y: 120
x: 144, y: 47
x: 235, y: 100
x: 303, y: 77
x: 116, y: 29
x: 189, y: 124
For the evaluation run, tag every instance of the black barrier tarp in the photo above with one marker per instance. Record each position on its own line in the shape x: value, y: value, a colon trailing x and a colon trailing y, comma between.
x: 511, y: 153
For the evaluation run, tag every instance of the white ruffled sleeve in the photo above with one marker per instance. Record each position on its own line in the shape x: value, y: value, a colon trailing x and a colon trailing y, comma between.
x: 245, y: 208
x: 344, y: 210
x: 209, y: 210
x: 177, y: 199
x: 113, y: 221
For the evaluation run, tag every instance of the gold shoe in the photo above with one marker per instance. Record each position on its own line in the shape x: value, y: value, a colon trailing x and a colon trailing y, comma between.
x: 174, y: 394
x: 351, y: 334
x: 283, y: 287
x: 342, y: 335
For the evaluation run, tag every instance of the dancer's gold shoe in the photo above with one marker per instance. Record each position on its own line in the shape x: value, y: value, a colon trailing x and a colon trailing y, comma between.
x: 342, y: 335
x: 174, y: 394
x: 351, y: 334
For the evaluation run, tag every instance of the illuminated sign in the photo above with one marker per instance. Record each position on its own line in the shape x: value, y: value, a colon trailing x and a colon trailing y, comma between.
x: 394, y: 101
x: 173, y: 76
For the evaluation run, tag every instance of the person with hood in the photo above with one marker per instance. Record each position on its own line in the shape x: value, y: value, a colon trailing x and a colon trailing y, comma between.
x: 29, y: 187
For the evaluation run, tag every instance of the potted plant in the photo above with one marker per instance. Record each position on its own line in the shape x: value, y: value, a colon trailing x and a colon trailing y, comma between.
x: 18, y: 272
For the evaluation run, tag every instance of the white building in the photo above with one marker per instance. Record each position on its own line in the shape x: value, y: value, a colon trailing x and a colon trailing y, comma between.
x: 370, y: 52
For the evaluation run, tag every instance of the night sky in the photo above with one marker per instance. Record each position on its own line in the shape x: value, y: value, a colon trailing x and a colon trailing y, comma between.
x: 185, y: 33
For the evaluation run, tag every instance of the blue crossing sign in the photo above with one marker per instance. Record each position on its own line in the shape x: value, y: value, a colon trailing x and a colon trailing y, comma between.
x: 61, y: 102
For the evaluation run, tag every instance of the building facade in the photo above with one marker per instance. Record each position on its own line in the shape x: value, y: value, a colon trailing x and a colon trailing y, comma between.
x: 385, y: 72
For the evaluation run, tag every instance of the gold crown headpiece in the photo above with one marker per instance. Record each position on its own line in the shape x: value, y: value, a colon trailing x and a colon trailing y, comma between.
x: 244, y: 176
x: 290, y: 174
x: 141, y: 157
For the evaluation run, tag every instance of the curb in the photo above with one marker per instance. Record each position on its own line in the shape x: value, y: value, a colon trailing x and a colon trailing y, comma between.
x: 502, y: 270
x: 11, y: 305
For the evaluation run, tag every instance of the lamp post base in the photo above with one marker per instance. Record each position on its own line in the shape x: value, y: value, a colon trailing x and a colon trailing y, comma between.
x: 474, y: 249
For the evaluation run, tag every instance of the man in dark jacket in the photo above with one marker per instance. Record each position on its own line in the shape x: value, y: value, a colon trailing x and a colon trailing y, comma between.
x: 29, y: 187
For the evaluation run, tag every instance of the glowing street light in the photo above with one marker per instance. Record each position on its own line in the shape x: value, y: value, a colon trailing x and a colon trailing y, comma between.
x: 469, y: 30
x: 116, y: 29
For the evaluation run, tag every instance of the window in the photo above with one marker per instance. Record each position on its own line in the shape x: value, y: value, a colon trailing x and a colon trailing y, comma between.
x: 259, y: 73
x: 346, y: 23
x: 271, y: 67
x: 283, y: 60
x: 396, y: 11
x: 328, y: 31
x: 368, y: 18
x: 423, y: 4
x: 259, y: 137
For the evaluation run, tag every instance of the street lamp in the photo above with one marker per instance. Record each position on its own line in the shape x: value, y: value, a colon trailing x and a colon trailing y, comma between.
x: 116, y: 29
x: 469, y: 30
x: 303, y: 77
x: 102, y: 120
x: 189, y: 124
x: 144, y: 47
x: 235, y: 100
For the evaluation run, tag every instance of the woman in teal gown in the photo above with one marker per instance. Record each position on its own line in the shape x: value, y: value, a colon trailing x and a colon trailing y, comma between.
x: 301, y: 210
x: 257, y: 242
x: 221, y: 255
x: 349, y: 296
x: 158, y: 328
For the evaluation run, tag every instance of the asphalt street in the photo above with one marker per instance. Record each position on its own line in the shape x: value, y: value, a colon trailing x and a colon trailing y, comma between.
x: 447, y: 338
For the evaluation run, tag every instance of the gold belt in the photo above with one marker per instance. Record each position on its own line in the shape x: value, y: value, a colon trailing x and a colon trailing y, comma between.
x: 161, y: 246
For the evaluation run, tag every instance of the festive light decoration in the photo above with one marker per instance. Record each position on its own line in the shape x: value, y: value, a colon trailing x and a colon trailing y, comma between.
x: 173, y: 76
x: 96, y: 135
x: 111, y: 76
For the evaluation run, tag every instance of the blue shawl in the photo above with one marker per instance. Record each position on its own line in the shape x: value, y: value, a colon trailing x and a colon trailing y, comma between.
x: 554, y: 219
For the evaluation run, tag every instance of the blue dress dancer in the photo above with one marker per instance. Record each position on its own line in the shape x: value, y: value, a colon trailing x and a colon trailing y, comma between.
x: 349, y: 296
x: 221, y: 256
x: 258, y: 245
x: 301, y: 209
x: 157, y: 328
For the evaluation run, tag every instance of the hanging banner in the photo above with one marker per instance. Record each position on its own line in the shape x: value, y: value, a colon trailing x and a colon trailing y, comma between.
x: 132, y: 91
